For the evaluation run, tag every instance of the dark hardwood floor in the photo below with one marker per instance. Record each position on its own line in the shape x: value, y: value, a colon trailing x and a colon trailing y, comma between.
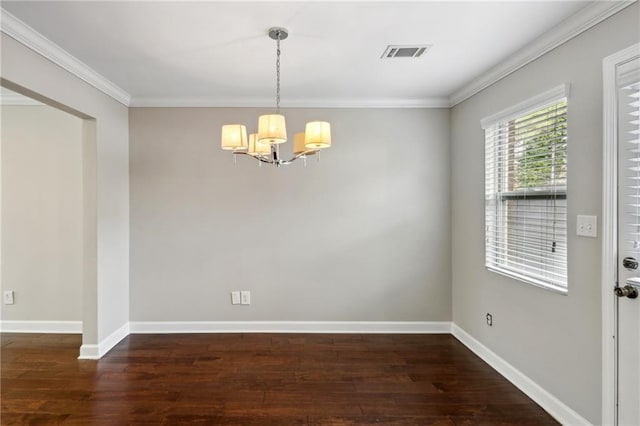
x: 257, y: 379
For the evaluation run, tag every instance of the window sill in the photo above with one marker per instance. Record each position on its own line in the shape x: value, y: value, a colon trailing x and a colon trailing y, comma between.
x: 528, y: 280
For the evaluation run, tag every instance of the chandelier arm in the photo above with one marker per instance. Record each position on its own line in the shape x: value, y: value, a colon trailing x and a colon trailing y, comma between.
x: 295, y: 157
x: 277, y: 162
x: 257, y: 157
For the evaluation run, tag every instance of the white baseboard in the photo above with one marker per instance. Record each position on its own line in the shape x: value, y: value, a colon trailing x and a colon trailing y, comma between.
x: 63, y: 327
x: 552, y: 405
x: 99, y: 350
x: 405, y: 327
x: 89, y: 352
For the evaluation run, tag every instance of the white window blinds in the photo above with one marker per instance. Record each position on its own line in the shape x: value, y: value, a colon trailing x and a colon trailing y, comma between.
x: 526, y: 191
x: 629, y: 186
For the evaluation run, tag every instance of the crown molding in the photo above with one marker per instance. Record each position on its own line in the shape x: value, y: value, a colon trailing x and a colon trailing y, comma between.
x: 196, y: 102
x: 576, y: 24
x: 35, y: 41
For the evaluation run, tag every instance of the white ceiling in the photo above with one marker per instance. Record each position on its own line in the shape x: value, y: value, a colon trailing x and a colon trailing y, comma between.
x: 219, y: 52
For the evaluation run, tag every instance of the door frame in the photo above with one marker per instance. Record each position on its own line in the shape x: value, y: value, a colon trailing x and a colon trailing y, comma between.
x: 89, y: 215
x: 609, y: 226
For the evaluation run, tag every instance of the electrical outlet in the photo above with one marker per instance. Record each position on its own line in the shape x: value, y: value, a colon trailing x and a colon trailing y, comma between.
x: 489, y: 320
x: 8, y: 297
x: 235, y: 297
x: 245, y: 297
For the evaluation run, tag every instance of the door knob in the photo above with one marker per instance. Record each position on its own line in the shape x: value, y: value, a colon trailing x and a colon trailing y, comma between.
x: 628, y: 291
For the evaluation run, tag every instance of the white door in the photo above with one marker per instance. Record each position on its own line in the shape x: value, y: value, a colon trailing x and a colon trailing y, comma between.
x: 627, y: 303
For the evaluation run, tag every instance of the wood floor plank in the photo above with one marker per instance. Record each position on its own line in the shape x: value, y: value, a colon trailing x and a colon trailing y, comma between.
x: 257, y: 379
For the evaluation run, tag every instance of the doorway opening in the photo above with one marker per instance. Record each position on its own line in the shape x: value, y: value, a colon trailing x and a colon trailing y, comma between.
x: 47, y: 215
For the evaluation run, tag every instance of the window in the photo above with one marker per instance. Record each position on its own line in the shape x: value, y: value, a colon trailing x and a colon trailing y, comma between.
x: 526, y: 191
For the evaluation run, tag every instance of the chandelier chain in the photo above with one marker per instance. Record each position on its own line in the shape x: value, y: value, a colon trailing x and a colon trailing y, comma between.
x: 278, y: 75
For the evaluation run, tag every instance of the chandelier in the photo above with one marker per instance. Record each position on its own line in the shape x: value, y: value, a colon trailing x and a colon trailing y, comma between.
x: 272, y: 131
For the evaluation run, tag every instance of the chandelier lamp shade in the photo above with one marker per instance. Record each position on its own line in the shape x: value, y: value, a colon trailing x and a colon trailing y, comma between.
x: 272, y: 130
x: 234, y: 136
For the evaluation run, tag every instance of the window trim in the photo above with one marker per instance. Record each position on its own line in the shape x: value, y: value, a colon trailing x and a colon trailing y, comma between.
x: 528, y: 279
x: 523, y: 108
x: 541, y: 101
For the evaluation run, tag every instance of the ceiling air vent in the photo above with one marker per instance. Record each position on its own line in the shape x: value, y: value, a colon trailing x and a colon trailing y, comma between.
x: 404, y: 51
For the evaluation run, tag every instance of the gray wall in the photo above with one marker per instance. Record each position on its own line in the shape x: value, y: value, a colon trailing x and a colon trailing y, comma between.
x: 553, y: 339
x: 41, y: 213
x: 105, y: 185
x: 362, y: 235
